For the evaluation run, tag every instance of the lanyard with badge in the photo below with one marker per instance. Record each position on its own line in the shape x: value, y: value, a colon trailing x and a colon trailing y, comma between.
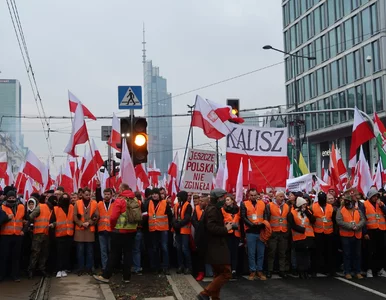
x: 324, y: 218
x: 156, y: 209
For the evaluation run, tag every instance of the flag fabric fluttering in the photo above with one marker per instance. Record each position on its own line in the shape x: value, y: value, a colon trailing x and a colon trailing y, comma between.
x: 378, y: 180
x: 361, y: 133
x: 34, y: 168
x: 302, y: 165
x: 363, y: 180
x: 240, y: 184
x: 115, y: 135
x: 127, y: 172
x: 92, y: 163
x: 73, y: 101
x: 380, y: 135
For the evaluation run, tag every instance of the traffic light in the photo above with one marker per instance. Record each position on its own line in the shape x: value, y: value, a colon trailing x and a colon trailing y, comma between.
x: 235, y: 105
x: 136, y: 140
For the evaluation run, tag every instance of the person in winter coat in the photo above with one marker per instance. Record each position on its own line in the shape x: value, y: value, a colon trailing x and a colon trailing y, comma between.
x: 200, y: 236
x: 217, y: 249
x: 300, y: 221
x: 182, y: 228
x: 231, y: 214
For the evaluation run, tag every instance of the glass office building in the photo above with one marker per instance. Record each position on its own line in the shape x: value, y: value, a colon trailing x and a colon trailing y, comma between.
x: 341, y: 34
x: 157, y: 101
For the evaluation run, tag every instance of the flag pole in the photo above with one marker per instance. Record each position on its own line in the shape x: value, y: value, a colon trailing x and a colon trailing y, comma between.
x: 91, y: 152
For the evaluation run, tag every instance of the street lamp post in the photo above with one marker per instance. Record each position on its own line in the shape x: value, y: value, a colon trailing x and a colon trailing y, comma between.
x: 296, y: 90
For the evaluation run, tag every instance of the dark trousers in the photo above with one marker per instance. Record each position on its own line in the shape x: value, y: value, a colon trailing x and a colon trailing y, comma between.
x: 10, y: 250
x: 184, y: 257
x: 40, y: 251
x: 375, y: 250
x: 278, y: 243
x: 233, y: 245
x: 351, y: 255
x: 325, y: 253
x: 120, y: 243
x: 221, y: 275
x: 63, y: 247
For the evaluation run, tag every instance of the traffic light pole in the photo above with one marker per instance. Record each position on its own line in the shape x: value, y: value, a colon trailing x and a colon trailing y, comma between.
x: 131, y: 132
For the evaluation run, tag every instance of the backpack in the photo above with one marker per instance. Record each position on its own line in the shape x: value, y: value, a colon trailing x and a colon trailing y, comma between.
x: 133, y: 210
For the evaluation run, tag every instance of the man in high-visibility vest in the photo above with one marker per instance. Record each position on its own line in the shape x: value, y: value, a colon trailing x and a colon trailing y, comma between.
x: 40, y: 217
x: 375, y: 233
x: 182, y: 228
x: 252, y: 213
x: 276, y: 214
x: 351, y: 221
x: 11, y: 236
x: 105, y: 209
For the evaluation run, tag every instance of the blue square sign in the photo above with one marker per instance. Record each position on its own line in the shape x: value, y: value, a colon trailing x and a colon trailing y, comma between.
x: 130, y: 97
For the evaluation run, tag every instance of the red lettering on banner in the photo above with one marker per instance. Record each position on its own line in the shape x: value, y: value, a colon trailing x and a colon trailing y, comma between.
x: 202, y: 186
x: 199, y: 167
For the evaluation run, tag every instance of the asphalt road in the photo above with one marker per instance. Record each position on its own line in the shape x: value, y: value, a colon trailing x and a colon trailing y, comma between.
x: 23, y: 290
x: 314, y: 289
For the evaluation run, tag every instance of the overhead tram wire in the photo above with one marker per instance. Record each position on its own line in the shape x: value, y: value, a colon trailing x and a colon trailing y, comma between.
x: 28, y: 66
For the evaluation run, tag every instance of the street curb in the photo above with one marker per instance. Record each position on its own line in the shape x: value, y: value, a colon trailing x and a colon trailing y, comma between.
x: 194, y: 284
x: 174, y: 287
x: 107, y: 292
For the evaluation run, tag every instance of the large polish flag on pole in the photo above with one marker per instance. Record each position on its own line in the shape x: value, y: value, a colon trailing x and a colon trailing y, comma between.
x: 79, y: 134
x: 127, y: 171
x: 73, y: 101
x: 92, y: 164
x: 267, y: 150
x: 3, y: 164
x: 34, y: 168
x: 115, y: 135
x: 213, y: 118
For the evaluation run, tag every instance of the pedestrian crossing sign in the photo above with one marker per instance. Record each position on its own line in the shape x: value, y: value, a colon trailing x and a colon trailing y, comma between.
x: 129, y: 97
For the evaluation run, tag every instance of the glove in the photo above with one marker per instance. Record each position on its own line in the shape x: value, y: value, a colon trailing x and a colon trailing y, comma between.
x: 79, y: 216
x: 261, y: 226
x: 176, y: 225
x: 93, y: 217
x: 235, y: 226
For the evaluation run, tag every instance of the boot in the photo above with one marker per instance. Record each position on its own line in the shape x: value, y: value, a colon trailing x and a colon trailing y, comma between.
x: 180, y: 270
x: 200, y: 276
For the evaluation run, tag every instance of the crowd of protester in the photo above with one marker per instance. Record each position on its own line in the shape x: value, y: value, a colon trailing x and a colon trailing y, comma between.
x: 97, y: 233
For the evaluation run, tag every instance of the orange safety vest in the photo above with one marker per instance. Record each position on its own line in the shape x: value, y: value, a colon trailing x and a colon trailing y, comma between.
x: 158, y: 220
x: 64, y: 223
x: 254, y: 214
x: 297, y: 236
x: 104, y: 217
x: 323, y: 223
x: 198, y: 212
x: 14, y: 226
x: 350, y: 218
x: 187, y: 228
x: 235, y: 219
x: 80, y: 208
x: 278, y: 219
x: 375, y: 217
x: 41, y: 223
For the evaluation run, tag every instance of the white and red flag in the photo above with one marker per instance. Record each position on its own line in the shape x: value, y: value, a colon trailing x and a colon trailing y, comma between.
x: 3, y: 164
x: 153, y: 174
x: 361, y: 133
x: 9, y: 178
x: 115, y: 135
x: 92, y: 164
x: 74, y: 101
x: 363, y: 180
x: 127, y: 172
x: 240, y: 184
x: 213, y: 118
x: 140, y: 172
x: 66, y: 179
x: 35, y: 169
x: 225, y: 177
x: 219, y: 177
x: 377, y: 178
x: 267, y: 149
x: 173, y: 175
x: 79, y: 134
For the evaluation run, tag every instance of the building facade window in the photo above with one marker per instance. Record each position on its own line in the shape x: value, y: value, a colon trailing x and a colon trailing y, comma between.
x: 378, y: 94
x: 335, y: 104
x: 351, y: 102
x: 369, y: 98
x: 359, y: 94
x: 350, y: 68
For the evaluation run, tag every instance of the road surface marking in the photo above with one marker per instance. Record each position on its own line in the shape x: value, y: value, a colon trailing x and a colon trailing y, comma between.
x: 362, y: 287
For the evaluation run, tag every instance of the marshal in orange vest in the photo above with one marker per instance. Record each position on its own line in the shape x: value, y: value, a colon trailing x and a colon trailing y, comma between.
x: 349, y: 217
x: 14, y: 226
x: 323, y: 223
x: 80, y: 208
x: 278, y: 219
x: 375, y: 217
x: 235, y: 219
x: 198, y: 212
x: 187, y: 228
x: 43, y: 220
x: 255, y: 214
x: 297, y: 236
x: 158, y: 220
x: 64, y: 223
x: 104, y: 216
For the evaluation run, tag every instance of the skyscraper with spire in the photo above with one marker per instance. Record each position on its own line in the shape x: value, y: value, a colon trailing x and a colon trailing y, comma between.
x: 157, y: 102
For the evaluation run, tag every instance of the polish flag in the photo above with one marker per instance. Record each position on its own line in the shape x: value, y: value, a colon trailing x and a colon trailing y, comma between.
x: 105, y: 182
x: 92, y: 164
x: 3, y: 164
x: 74, y: 101
x: 154, y: 173
x: 79, y: 134
x: 34, y: 168
x: 334, y: 170
x: 249, y: 173
x: 141, y: 175
x: 67, y: 181
x: 115, y: 135
x: 213, y: 118
x: 220, y: 176
x: 240, y: 184
x: 127, y: 172
x: 363, y: 180
x: 28, y: 189
x: 377, y: 179
x: 225, y: 177
x: 343, y: 176
x: 361, y: 133
x: 9, y: 178
x: 173, y: 174
x: 21, y: 181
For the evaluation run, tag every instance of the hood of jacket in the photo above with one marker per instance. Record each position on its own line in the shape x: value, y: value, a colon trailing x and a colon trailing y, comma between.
x: 127, y: 194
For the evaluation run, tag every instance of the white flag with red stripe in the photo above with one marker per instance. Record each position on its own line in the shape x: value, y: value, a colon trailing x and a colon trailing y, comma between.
x: 66, y: 179
x: 79, y: 134
x: 3, y: 164
x: 219, y: 176
x: 115, y: 135
x: 361, y: 133
x: 225, y: 177
x: 127, y: 172
x: 153, y: 174
x: 74, y: 101
x: 34, y: 168
x: 240, y: 184
x: 363, y: 180
x: 140, y: 172
x: 92, y: 164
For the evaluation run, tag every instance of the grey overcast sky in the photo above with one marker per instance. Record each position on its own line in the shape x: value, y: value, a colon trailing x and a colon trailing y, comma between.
x: 91, y: 46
